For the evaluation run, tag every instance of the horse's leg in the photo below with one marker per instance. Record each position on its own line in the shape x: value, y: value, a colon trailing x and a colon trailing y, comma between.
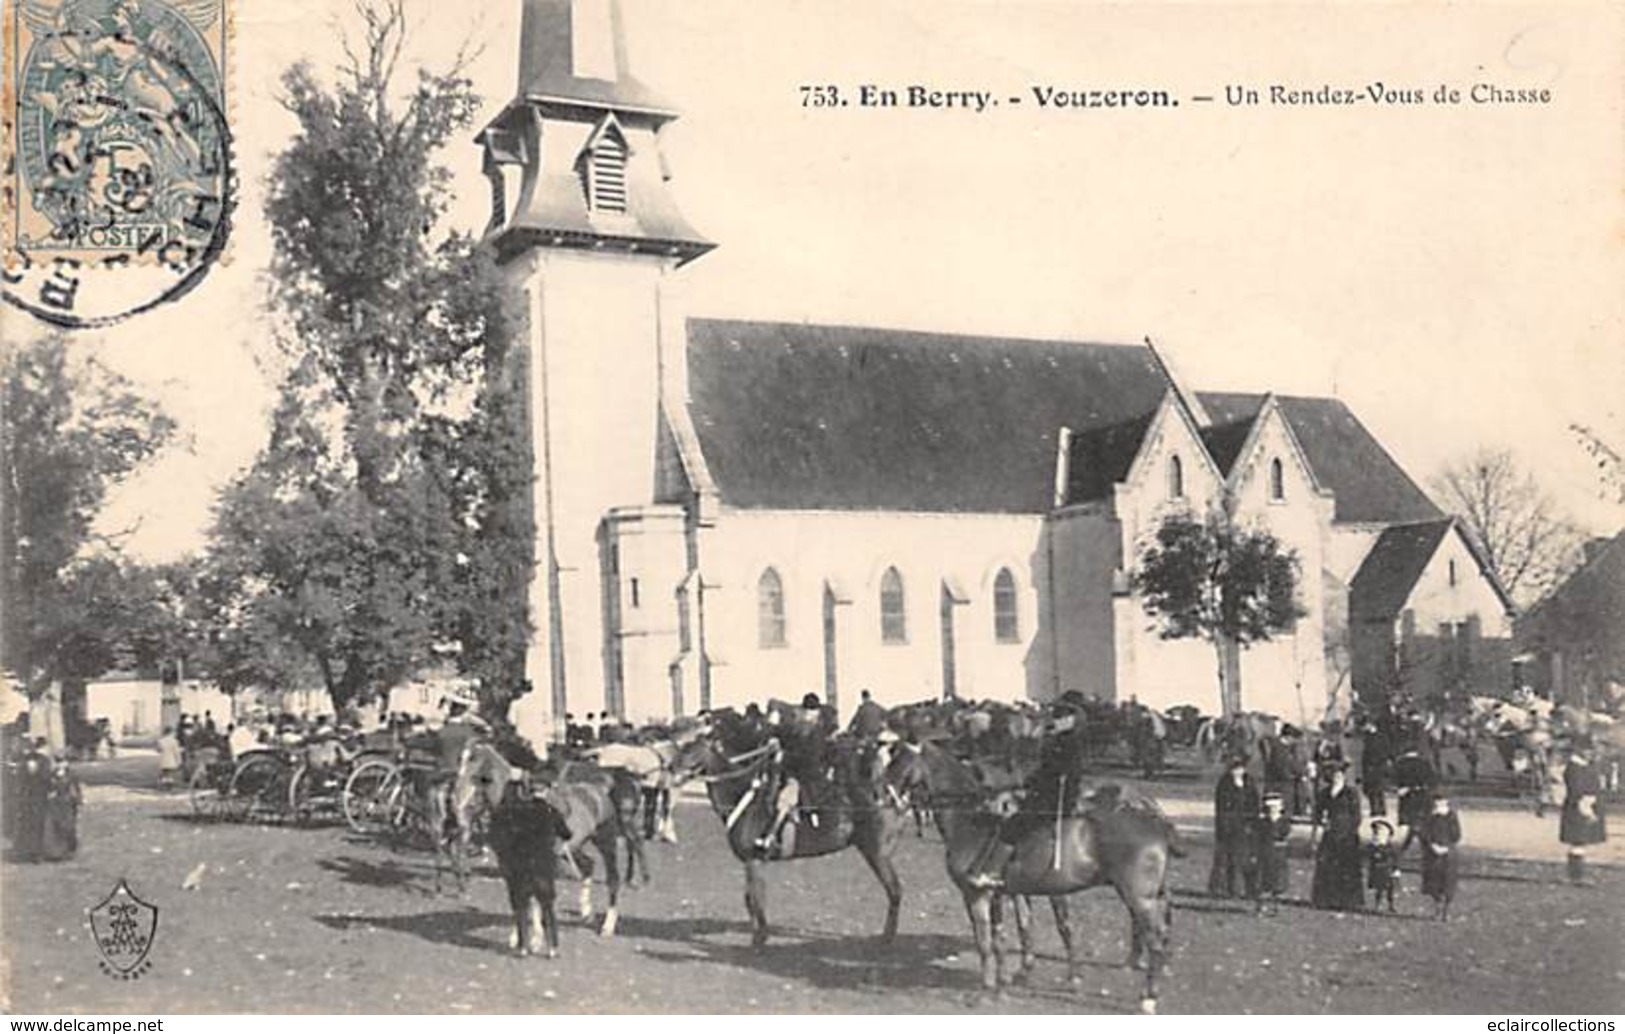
x: 612, y: 878
x: 550, y: 919
x: 756, y: 902
x: 646, y: 802
x: 1024, y: 936
x: 637, y: 863
x: 1144, y: 891
x: 520, y: 942
x: 1063, y: 926
x: 584, y: 871
x: 876, y: 849
x: 668, y: 817
x: 979, y: 906
x: 999, y: 954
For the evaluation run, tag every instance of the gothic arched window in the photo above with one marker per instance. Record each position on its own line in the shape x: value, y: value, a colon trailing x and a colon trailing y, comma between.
x: 1277, y: 481
x: 893, y: 609
x: 1176, y: 478
x: 770, y: 610
x: 1006, y: 622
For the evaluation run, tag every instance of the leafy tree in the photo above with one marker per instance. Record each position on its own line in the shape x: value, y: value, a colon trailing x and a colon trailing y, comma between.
x: 1209, y: 579
x: 70, y: 429
x: 385, y: 524
x: 1526, y: 540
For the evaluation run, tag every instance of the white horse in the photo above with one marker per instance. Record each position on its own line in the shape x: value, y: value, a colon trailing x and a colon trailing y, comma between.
x: 652, y: 766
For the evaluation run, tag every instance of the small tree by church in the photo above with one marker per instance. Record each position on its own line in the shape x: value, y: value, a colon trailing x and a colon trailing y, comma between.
x: 1211, y: 579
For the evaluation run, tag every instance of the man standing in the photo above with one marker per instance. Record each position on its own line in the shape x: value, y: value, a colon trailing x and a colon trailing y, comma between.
x: 1235, y: 808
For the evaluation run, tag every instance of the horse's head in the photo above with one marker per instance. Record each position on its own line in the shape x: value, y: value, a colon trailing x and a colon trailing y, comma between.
x: 692, y: 757
x: 485, y: 773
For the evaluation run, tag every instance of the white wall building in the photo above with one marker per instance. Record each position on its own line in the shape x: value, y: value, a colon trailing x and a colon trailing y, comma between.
x: 729, y: 511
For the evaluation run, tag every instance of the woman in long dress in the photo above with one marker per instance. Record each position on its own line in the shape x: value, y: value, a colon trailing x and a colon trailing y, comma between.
x: 1337, y: 882
x: 62, y: 799
x: 1584, y: 823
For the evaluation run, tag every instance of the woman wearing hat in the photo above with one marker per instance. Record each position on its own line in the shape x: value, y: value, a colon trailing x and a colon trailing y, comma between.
x: 1583, y: 823
x: 1337, y: 881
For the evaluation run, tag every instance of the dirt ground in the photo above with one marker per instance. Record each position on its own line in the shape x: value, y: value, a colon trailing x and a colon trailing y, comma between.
x: 317, y: 920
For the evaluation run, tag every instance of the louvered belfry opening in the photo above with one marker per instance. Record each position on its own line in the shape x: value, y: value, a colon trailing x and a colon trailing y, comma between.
x: 606, y: 174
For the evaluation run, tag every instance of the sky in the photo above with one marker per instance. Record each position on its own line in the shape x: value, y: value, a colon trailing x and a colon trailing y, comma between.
x: 1455, y: 273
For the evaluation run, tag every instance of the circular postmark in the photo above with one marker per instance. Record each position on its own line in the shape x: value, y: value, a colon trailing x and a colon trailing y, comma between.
x: 120, y: 172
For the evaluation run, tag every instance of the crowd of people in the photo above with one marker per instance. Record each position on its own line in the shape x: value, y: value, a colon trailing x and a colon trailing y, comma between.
x: 1354, y: 858
x: 42, y: 799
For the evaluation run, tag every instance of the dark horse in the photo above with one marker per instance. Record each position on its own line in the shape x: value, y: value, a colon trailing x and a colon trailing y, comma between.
x: 851, y: 812
x: 1120, y: 845
x: 599, y: 806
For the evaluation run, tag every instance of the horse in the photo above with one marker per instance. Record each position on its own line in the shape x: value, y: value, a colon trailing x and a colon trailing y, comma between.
x: 599, y: 806
x: 1122, y: 846
x: 742, y: 789
x: 652, y: 764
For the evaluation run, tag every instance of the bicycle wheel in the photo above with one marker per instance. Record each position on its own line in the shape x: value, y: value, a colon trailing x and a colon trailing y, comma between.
x: 208, y: 800
x: 260, y: 785
x: 371, y: 795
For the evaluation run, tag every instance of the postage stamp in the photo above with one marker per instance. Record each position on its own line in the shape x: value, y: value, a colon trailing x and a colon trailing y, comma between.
x: 118, y: 154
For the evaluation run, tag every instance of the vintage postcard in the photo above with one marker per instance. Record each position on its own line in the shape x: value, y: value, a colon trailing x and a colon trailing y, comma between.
x: 1128, y: 496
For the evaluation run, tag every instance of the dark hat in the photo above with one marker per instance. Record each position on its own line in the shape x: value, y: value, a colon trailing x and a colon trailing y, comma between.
x: 1273, y: 798
x: 1236, y: 761
x: 1582, y: 741
x: 811, y: 702
x: 1384, y: 823
x: 1335, y: 765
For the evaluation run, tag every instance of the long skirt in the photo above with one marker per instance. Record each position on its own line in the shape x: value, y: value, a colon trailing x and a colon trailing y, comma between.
x: 61, y: 834
x: 1337, y: 882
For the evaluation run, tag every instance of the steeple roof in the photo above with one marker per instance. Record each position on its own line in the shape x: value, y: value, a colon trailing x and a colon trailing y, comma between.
x: 574, y: 52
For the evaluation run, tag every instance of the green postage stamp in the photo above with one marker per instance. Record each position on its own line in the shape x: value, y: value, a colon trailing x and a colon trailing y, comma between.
x: 118, y: 154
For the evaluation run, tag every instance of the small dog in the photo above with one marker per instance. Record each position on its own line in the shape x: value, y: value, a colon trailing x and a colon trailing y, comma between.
x: 525, y: 834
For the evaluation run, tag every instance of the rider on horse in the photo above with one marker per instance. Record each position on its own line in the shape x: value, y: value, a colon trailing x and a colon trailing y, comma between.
x: 1053, y: 791
x: 447, y: 744
x: 800, y: 761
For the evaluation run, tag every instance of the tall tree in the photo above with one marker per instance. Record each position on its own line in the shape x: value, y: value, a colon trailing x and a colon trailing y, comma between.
x: 384, y: 525
x: 70, y: 429
x: 1210, y: 579
x: 1529, y: 544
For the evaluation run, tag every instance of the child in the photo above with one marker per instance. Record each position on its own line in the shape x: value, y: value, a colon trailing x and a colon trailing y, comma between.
x: 169, y: 758
x: 1271, y: 831
x: 1440, y: 833
x: 1382, y: 864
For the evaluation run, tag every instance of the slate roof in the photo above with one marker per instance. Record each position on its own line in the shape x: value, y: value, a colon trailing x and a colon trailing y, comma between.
x: 1384, y: 581
x: 792, y: 416
x: 1101, y: 457
x: 1224, y: 442
x: 812, y: 417
x: 1369, y: 485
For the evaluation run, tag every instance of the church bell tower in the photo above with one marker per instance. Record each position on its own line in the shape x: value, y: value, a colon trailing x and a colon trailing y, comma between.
x: 585, y: 226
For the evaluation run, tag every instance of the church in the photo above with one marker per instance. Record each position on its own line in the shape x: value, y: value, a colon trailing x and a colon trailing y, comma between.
x: 732, y: 511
